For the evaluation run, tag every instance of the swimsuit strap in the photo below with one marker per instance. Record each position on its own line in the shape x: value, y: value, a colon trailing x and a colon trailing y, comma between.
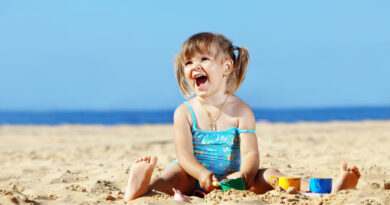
x: 194, y: 121
x: 192, y: 113
x: 242, y: 131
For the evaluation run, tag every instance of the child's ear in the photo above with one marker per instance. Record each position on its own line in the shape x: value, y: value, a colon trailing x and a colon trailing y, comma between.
x: 228, y: 67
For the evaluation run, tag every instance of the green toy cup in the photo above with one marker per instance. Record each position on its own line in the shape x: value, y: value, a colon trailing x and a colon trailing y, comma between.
x: 228, y: 184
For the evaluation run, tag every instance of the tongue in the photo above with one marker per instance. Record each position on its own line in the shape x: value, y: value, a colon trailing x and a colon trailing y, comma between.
x: 200, y: 81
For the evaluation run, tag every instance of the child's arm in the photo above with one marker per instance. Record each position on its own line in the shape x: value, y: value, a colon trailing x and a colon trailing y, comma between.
x: 248, y: 147
x: 185, y: 151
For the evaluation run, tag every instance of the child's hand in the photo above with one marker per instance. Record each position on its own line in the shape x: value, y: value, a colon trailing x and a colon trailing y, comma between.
x: 206, y: 181
x: 248, y: 179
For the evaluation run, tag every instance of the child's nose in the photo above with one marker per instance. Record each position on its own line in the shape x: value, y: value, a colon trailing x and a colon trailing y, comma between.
x: 197, y: 66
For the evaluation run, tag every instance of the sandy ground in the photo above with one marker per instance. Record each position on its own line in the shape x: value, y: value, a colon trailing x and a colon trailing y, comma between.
x: 72, y: 164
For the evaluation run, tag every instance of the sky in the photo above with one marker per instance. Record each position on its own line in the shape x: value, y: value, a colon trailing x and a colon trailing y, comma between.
x: 118, y: 55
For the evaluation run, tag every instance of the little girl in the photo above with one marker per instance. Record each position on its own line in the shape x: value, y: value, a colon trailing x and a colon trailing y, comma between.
x: 214, y: 131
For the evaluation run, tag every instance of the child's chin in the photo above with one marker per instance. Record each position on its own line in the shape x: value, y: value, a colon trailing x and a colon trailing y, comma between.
x: 201, y: 93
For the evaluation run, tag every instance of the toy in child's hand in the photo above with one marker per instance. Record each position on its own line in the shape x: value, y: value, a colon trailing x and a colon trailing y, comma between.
x: 215, y: 183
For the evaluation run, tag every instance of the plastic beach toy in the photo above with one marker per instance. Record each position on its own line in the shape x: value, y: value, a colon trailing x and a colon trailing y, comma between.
x: 179, y: 196
x: 320, y: 185
x: 286, y: 181
x: 228, y: 184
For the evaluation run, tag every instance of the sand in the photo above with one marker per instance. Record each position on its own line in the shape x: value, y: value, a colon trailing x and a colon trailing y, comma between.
x: 74, y: 164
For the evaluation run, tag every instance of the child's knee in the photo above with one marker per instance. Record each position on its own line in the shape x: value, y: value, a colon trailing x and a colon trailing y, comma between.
x: 271, y: 172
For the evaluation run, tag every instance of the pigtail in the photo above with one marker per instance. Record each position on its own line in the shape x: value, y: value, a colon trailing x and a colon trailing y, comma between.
x: 181, y: 81
x: 239, y: 68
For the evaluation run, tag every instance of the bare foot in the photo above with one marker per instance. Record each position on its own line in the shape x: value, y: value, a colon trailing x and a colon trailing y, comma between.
x: 348, y: 178
x: 139, y: 177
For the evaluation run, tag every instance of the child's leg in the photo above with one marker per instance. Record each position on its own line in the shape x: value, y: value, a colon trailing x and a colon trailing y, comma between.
x: 347, y: 179
x: 141, y: 172
x: 262, y: 183
x: 173, y: 177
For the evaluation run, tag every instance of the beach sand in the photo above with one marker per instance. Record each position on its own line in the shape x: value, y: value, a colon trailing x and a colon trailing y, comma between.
x: 75, y: 164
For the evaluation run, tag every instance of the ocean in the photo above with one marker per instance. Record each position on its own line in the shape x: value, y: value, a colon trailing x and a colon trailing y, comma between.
x: 166, y: 116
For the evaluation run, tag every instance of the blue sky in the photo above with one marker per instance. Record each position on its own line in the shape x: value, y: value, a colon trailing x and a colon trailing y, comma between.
x: 118, y: 55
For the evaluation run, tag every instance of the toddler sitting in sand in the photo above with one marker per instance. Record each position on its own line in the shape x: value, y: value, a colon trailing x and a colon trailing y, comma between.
x: 214, y: 132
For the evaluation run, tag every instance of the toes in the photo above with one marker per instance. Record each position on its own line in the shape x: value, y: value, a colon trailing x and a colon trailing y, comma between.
x: 343, y: 167
x: 358, y: 174
x: 143, y: 159
x: 356, y: 171
x: 153, y: 160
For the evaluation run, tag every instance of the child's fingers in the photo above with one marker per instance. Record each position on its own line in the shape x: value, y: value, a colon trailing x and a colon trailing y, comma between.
x: 209, y: 184
x: 249, y: 183
x: 215, y: 181
x: 246, y: 178
x: 205, y: 186
x: 214, y: 178
x: 212, y: 188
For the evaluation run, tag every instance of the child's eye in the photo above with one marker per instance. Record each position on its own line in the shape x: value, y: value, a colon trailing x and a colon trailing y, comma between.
x: 205, y: 59
x: 188, y: 63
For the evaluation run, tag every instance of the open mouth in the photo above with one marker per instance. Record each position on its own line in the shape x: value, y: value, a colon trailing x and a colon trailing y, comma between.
x: 200, y: 80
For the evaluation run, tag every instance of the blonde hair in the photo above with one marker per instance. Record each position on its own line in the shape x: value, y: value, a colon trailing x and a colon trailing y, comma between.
x: 218, y: 46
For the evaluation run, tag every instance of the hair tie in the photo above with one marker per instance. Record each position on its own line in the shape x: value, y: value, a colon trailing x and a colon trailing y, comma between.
x: 235, y: 47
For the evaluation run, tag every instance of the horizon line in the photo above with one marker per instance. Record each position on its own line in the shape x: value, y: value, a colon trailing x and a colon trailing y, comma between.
x: 172, y: 109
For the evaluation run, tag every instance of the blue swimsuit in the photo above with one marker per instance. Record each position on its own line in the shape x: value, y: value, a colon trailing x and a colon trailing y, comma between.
x: 217, y: 151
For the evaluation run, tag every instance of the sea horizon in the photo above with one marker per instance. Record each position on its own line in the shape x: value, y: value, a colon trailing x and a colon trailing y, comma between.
x: 165, y: 116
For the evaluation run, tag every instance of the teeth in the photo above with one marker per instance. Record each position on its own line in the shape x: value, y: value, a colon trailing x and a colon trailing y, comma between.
x: 198, y: 76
